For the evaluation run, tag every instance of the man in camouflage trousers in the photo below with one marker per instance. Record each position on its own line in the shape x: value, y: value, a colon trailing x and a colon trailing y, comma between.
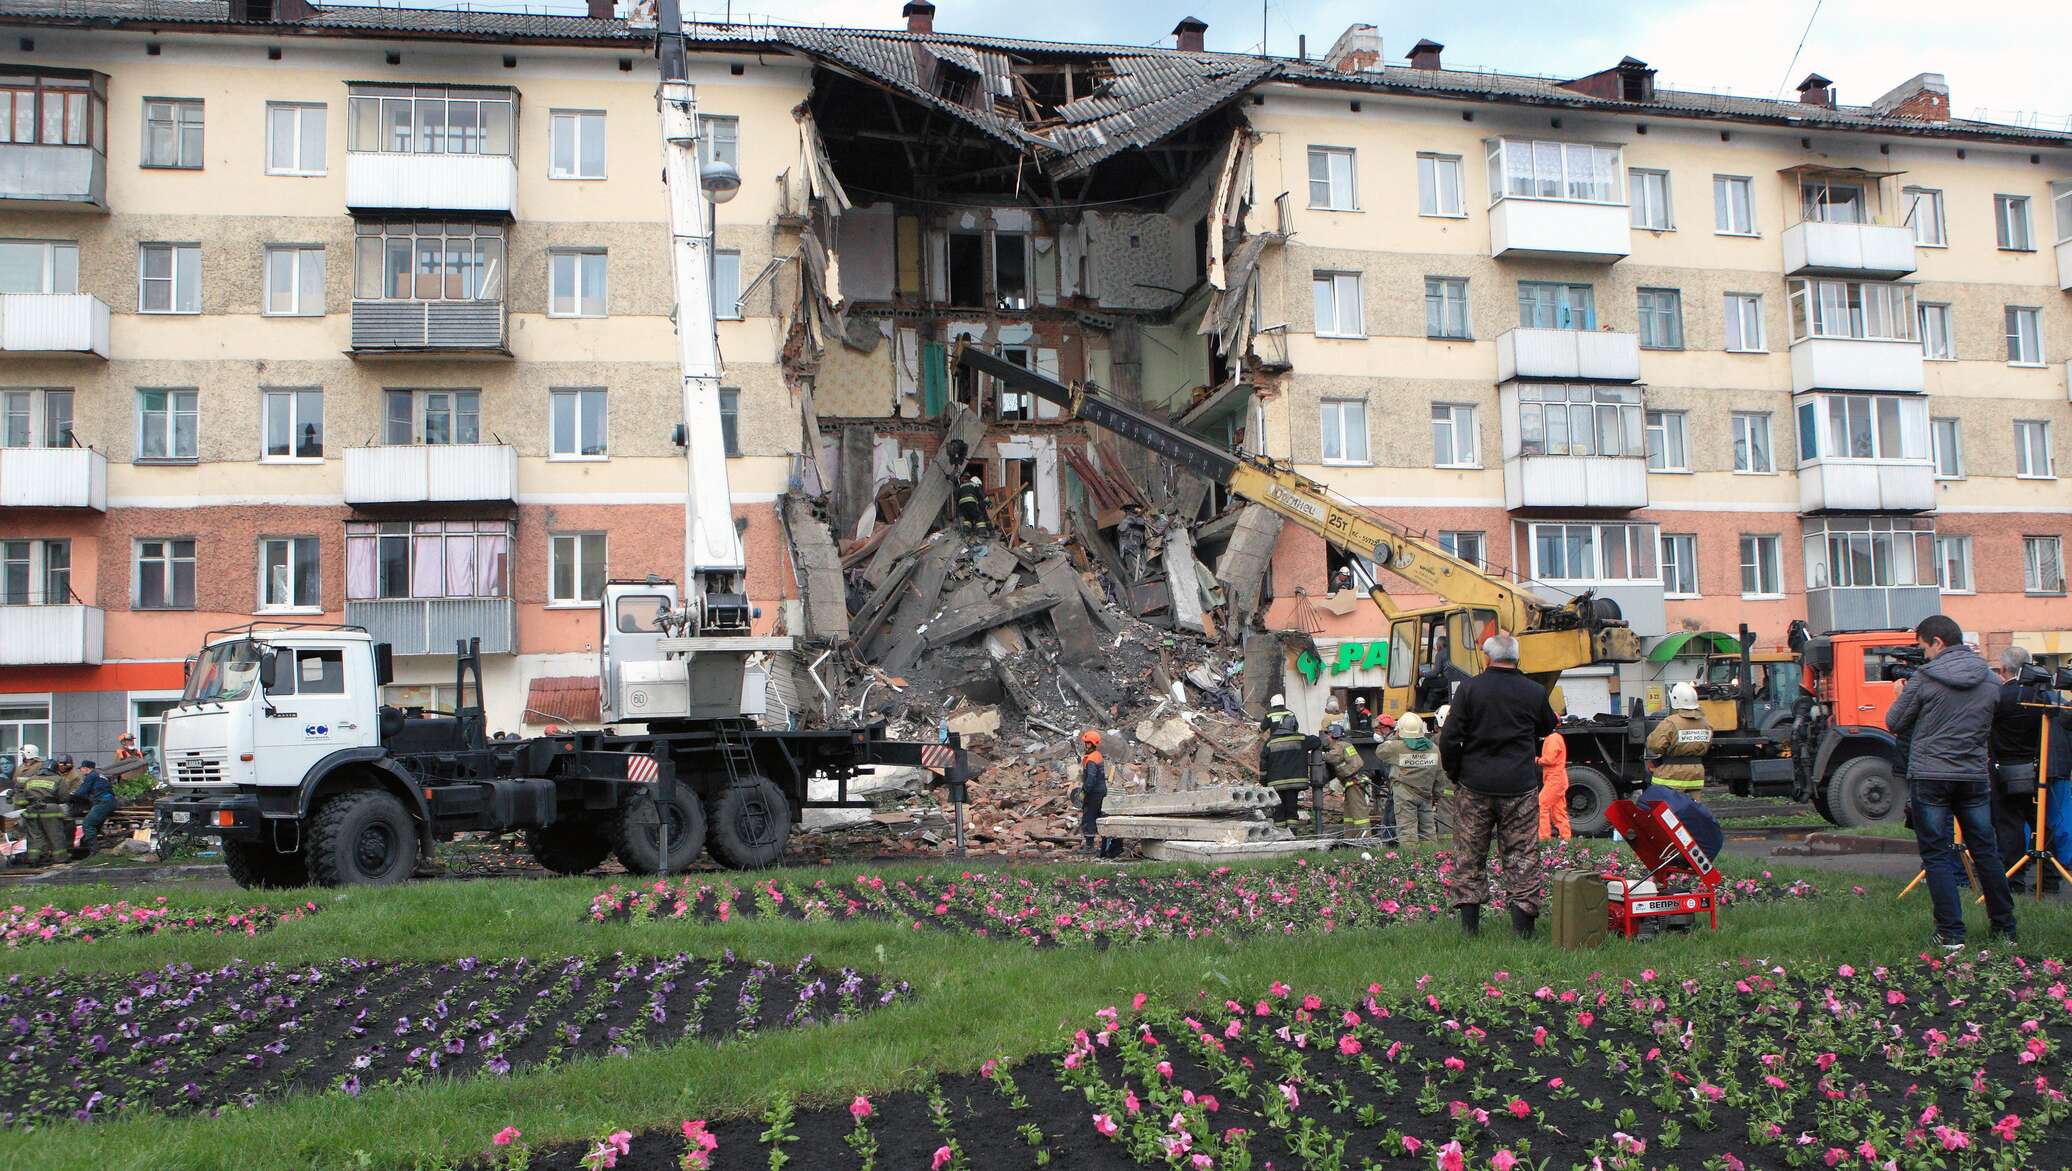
x: 1490, y: 746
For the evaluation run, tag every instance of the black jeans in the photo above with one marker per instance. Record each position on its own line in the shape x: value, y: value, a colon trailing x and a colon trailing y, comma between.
x: 1090, y: 801
x: 1937, y: 805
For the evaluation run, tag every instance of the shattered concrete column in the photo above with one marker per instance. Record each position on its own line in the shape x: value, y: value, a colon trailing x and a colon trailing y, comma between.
x: 1262, y: 672
x: 820, y: 571
x: 1242, y: 568
x: 930, y: 496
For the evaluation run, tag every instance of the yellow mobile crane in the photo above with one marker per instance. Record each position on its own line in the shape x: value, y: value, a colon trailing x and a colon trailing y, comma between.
x: 1428, y: 646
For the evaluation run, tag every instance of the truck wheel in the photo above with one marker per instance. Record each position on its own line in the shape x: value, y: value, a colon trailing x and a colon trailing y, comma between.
x: 364, y: 838
x: 750, y: 823
x: 638, y: 845
x: 1590, y: 793
x: 258, y: 866
x: 567, y: 848
x: 1864, y: 791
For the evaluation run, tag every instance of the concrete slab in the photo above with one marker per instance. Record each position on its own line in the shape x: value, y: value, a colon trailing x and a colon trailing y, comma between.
x: 1190, y: 829
x: 1221, y: 799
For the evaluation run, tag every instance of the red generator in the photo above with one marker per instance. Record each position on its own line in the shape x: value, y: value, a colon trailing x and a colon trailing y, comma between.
x: 1665, y: 846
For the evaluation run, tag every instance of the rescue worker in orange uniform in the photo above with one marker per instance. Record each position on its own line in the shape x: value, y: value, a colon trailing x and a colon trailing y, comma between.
x: 1554, y: 787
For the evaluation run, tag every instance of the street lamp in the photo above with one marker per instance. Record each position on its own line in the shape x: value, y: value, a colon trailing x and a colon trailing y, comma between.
x: 720, y: 181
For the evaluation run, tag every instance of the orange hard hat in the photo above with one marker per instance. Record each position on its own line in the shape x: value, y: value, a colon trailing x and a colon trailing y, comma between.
x: 1089, y: 737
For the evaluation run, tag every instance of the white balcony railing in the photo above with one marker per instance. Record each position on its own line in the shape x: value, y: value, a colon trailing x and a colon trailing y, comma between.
x: 431, y: 626
x: 431, y: 473
x: 1866, y: 251
x: 1840, y: 363
x: 431, y: 182
x: 1554, y: 229
x: 1576, y: 481
x: 1887, y: 486
x: 53, y: 477
x: 50, y: 636
x: 48, y: 324
x: 1573, y: 354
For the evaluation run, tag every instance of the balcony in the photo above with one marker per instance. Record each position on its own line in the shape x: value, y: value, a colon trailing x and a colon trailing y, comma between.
x: 431, y: 182
x: 1842, y: 363
x: 1568, y: 354
x: 1870, y: 572
x: 44, y: 177
x: 1871, y: 608
x: 421, y: 327
x: 1833, y: 485
x: 50, y: 636
x: 436, y: 473
x: 1553, y: 229
x: 53, y: 325
x: 430, y: 626
x: 53, y: 477
x: 1865, y: 251
x: 1575, y: 481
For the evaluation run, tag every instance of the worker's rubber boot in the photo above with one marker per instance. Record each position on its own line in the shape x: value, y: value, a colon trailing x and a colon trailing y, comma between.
x: 1522, y: 922
x: 1470, y: 920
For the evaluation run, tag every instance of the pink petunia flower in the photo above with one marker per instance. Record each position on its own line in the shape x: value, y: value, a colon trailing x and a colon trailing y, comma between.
x: 1412, y: 1144
x: 1104, y: 1124
x: 2006, y: 1127
x: 1451, y: 1158
x: 941, y: 1159
x: 860, y: 1108
x: 1201, y: 1162
x: 1455, y: 1064
x: 1519, y: 1108
x: 1289, y: 1093
x: 1503, y: 1161
x: 507, y: 1136
x: 1130, y: 1103
x: 1951, y: 1138
x: 1349, y: 1045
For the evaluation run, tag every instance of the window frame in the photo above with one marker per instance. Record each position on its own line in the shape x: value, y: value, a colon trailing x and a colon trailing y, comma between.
x: 575, y: 119
x: 2013, y: 228
x: 489, y: 121
x: 1945, y: 337
x: 175, y: 266
x: 1636, y: 536
x: 171, y: 415
x: 301, y: 254
x: 295, y: 581
x: 1913, y: 198
x: 719, y: 304
x: 178, y: 108
x: 2056, y: 544
x: 1961, y: 542
x: 2012, y: 316
x: 1335, y: 409
x: 1812, y: 307
x: 494, y: 540
x: 38, y: 88
x: 1907, y: 409
x: 2024, y: 429
x: 1731, y: 315
x: 1935, y: 446
x: 42, y: 428
x: 1435, y: 167
x: 576, y: 261
x: 1673, y: 300
x: 420, y: 405
x: 575, y: 541
x: 1331, y: 279
x: 1566, y: 304
x: 1669, y: 424
x: 169, y: 562
x: 51, y: 273
x: 709, y: 143
x: 480, y: 260
x: 298, y: 138
x: 40, y: 571
x: 1723, y: 187
x: 1460, y: 421
x: 1443, y: 286
x: 1498, y: 153
x: 1567, y: 420
x: 730, y: 420
x: 579, y: 396
x: 1478, y: 539
x: 1742, y: 435
x: 1330, y: 181
x: 294, y: 397
x: 1665, y: 560
x: 1759, y: 542
x: 1668, y: 200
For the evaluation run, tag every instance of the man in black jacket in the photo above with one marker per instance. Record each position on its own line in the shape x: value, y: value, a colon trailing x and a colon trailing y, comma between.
x: 1944, y: 714
x: 2017, y: 745
x: 1490, y: 746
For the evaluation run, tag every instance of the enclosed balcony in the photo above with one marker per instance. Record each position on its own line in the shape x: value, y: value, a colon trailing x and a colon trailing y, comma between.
x: 1554, y: 200
x: 53, y: 477
x: 1864, y: 453
x: 431, y: 183
x: 53, y: 325
x: 1618, y: 560
x: 1570, y: 354
x: 428, y: 286
x: 431, y: 626
x: 55, y: 153
x: 66, y: 635
x: 1854, y: 335
x: 1573, y: 445
x: 431, y: 148
x: 414, y: 327
x: 1870, y: 573
x: 431, y: 473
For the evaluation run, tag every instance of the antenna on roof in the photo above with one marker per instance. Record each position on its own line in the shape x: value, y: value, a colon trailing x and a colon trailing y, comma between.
x: 1802, y: 47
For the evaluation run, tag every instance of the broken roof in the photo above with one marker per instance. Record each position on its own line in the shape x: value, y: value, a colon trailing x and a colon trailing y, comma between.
x: 337, y: 20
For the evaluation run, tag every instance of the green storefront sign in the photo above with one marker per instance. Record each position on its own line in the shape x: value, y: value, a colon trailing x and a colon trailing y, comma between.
x: 1352, y: 656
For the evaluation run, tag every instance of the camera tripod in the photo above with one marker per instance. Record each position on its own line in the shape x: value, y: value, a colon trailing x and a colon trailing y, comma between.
x: 1970, y: 870
x: 2038, y: 851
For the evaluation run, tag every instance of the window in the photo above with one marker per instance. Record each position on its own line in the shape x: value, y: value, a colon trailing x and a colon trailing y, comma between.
x: 576, y: 144
x: 165, y: 574
x: 1595, y: 552
x: 722, y: 139
x: 1946, y: 443
x: 1446, y: 307
x: 578, y: 283
x: 430, y: 119
x: 1733, y: 205
x: 36, y: 418
x: 1875, y: 552
x: 1863, y: 310
x: 431, y: 417
x: 1759, y: 567
x: 1666, y: 448
x: 1470, y: 547
x: 1752, y: 445
x: 1938, y: 335
x: 1649, y: 193
x: 578, y: 423
x: 2011, y: 223
x: 1925, y: 214
x: 2032, y: 450
x: 1343, y: 425
x: 2043, y: 565
x: 1585, y: 419
x: 166, y: 424
x: 1010, y: 270
x: 39, y: 266
x: 1548, y: 305
x: 294, y: 425
x: 53, y: 111
x: 169, y: 278
x: 730, y: 419
x: 294, y: 281
x: 1439, y: 186
x: 1745, y: 323
x: 1331, y: 179
x: 1453, y: 436
x: 427, y: 559
x: 29, y: 723
x: 1338, y: 304
x: 1830, y: 201
x: 147, y: 720
x: 576, y: 569
x: 307, y: 672
x: 411, y: 260
x: 172, y: 133
x: 1889, y: 427
x: 1953, y: 564
x: 1680, y: 565
x: 2024, y: 336
x: 726, y: 285
x: 35, y: 573
x: 288, y: 573
x: 294, y: 139
x: 1529, y: 169
x: 1661, y: 319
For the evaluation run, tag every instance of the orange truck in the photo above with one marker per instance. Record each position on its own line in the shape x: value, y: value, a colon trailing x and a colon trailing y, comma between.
x: 1844, y: 760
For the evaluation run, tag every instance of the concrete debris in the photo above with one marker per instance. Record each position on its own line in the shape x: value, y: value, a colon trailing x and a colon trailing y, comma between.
x: 1226, y: 851
x: 1167, y: 737
x: 1200, y: 802
x: 1192, y: 829
x: 982, y: 721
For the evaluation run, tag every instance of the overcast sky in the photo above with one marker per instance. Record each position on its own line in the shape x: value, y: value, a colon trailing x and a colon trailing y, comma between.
x: 1741, y: 46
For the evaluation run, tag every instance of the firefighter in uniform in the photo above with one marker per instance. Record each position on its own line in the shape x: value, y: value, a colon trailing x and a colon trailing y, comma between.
x: 1416, y: 778
x: 971, y: 505
x: 1678, y: 744
x: 43, y: 810
x: 1276, y: 711
x: 1349, y: 769
x: 1284, y: 764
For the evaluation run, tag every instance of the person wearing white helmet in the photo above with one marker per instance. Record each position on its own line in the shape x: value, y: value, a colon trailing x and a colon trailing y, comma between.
x: 1678, y: 744
x: 43, y: 812
x: 1276, y: 711
x: 1415, y: 774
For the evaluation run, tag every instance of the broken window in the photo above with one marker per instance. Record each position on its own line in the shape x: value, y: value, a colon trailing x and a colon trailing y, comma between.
x: 967, y: 269
x: 954, y: 82
x: 1014, y: 406
x: 1011, y: 270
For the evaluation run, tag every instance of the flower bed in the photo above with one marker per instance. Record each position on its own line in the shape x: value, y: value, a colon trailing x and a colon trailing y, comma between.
x: 1113, y: 906
x: 1938, y: 1065
x: 184, y: 1038
x: 20, y: 925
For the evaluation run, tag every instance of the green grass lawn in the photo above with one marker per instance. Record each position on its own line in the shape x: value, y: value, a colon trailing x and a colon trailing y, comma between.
x: 973, y: 999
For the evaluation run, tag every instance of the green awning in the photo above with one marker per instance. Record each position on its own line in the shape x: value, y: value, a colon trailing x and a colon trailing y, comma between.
x: 1712, y: 641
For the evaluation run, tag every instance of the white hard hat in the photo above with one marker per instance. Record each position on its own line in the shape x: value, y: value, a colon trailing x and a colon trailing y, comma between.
x: 1683, y: 697
x: 1332, y: 705
x: 1276, y: 699
x: 30, y: 752
x: 1411, y: 726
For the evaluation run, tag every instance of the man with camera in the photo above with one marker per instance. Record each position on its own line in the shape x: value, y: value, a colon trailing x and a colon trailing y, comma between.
x: 2017, y: 754
x: 1945, y: 713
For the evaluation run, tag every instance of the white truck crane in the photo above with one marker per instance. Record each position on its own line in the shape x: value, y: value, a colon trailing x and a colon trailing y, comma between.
x: 281, y: 747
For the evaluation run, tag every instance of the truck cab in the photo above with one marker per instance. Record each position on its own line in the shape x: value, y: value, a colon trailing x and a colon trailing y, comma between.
x: 261, y: 708
x: 1844, y: 759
